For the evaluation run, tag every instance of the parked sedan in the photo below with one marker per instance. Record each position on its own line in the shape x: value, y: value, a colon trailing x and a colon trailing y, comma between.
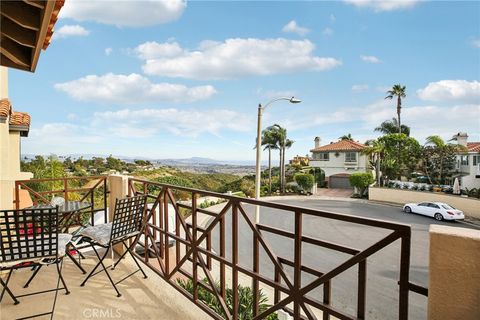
x: 438, y: 210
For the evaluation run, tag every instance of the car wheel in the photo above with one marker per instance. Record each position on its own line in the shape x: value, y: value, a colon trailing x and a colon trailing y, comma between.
x: 407, y: 210
x: 438, y: 217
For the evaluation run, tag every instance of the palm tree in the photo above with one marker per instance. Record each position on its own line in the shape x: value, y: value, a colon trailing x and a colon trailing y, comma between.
x: 269, y: 142
x: 391, y: 126
x: 346, y: 137
x: 397, y: 91
x: 279, y: 134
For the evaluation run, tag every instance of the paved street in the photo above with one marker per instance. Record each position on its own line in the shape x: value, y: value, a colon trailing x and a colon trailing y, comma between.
x: 382, y: 268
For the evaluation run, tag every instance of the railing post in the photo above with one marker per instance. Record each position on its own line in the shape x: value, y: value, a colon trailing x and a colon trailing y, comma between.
x: 65, y: 189
x: 235, y: 259
x: 194, y: 247
x: 404, y: 274
x: 223, y: 290
x: 297, y: 275
x: 165, y: 224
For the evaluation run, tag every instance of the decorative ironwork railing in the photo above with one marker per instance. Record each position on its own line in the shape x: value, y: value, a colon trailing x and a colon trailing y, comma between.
x: 92, y: 189
x: 179, y: 247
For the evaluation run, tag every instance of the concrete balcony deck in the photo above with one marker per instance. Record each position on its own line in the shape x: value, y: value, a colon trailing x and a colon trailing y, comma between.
x: 150, y: 298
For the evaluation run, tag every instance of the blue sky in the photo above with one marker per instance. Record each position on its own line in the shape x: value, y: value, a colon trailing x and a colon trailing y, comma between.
x: 180, y: 79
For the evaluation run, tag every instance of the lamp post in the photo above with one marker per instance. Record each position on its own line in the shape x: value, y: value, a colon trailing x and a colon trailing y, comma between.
x: 258, y: 165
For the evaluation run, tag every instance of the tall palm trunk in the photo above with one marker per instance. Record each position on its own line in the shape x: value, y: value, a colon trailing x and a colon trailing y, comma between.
x: 280, y: 168
x: 283, y: 169
x: 269, y: 170
x: 399, y: 109
x: 377, y: 169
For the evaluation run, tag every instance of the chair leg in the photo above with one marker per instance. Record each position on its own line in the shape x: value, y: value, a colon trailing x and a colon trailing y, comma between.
x: 123, y: 254
x: 135, y: 259
x: 32, y: 276
x: 108, y: 275
x: 59, y: 270
x: 79, y: 266
x: 95, y: 268
x: 5, y: 288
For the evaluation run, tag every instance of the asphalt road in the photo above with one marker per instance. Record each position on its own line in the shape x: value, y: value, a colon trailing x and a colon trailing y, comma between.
x: 382, y: 267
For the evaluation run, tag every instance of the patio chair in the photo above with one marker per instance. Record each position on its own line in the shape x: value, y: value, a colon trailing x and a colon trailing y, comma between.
x: 30, y: 238
x: 127, y: 223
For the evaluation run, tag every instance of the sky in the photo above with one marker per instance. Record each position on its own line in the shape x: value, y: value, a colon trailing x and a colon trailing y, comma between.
x: 176, y: 79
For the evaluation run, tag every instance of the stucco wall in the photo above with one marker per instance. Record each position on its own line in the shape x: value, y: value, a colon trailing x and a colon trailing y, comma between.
x: 454, y: 273
x: 469, y: 206
x: 337, y: 164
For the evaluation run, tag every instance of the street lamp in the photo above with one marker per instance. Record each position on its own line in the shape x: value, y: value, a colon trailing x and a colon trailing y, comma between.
x: 259, y: 150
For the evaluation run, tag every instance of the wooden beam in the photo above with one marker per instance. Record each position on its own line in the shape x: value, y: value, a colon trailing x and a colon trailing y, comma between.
x: 4, y: 61
x: 45, y: 22
x: 15, y: 32
x: 23, y: 14
x: 35, y: 3
x: 18, y: 54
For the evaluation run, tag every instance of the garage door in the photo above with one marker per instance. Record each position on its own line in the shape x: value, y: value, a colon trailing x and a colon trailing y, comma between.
x: 339, y: 182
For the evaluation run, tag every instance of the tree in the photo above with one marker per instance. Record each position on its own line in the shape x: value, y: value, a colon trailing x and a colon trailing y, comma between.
x: 269, y: 142
x: 397, y: 91
x: 375, y: 149
x: 401, y: 154
x: 305, y: 181
x: 361, y: 180
x: 346, y: 137
x: 279, y: 136
x: 439, y: 157
x: 391, y: 126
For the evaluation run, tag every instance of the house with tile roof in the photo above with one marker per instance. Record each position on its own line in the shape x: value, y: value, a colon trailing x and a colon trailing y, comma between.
x: 468, y: 163
x: 338, y: 160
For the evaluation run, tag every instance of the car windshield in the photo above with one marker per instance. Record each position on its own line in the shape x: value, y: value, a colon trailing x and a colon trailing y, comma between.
x: 446, y: 206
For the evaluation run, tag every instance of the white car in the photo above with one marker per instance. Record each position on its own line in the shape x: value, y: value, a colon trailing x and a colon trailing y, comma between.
x: 438, y: 210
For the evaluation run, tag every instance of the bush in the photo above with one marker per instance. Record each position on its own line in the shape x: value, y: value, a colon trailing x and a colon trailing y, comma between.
x: 305, y: 181
x: 361, y: 180
x: 245, y: 300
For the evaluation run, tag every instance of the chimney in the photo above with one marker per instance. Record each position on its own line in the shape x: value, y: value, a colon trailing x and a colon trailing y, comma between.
x: 461, y: 138
x: 317, y: 142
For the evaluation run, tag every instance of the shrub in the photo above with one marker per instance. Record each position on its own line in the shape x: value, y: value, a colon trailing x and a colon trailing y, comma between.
x: 245, y: 300
x: 361, y: 180
x: 305, y: 181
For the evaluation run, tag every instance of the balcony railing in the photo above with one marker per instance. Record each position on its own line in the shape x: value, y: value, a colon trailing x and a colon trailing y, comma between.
x: 208, y: 266
x: 92, y: 189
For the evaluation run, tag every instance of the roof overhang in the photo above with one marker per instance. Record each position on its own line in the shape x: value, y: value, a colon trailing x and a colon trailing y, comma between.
x: 26, y: 27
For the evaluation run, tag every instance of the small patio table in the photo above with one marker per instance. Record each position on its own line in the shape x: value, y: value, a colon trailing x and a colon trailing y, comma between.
x: 69, y: 216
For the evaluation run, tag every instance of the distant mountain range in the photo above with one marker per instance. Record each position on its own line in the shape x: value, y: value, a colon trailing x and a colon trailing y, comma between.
x: 171, y: 162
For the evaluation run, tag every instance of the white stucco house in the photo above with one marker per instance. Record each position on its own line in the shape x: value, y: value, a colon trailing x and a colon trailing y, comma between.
x: 468, y: 163
x: 338, y: 160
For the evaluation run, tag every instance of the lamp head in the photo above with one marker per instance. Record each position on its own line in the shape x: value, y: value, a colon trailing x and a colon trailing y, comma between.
x: 294, y: 100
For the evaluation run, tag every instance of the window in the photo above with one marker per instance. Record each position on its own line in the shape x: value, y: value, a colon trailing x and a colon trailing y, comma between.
x: 423, y: 204
x: 350, y: 157
x: 476, y: 160
x: 464, y: 160
x: 433, y: 205
x: 323, y: 156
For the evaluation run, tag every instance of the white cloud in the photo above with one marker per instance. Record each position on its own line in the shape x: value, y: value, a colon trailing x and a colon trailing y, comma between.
x: 459, y: 90
x: 71, y: 31
x: 327, y: 32
x: 108, y: 51
x: 383, y: 5
x: 124, y: 13
x: 147, y: 122
x: 232, y: 58
x: 370, y: 59
x: 333, y: 18
x: 360, y: 87
x: 72, y: 116
x: 131, y: 89
x: 476, y: 43
x: 292, y: 26
x: 272, y: 94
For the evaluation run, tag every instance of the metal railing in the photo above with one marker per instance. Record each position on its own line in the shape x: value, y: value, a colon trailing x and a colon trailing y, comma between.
x: 193, y: 243
x: 92, y: 189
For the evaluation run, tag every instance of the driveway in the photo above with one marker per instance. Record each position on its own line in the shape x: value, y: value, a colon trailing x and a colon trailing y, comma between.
x: 334, y: 193
x: 382, y: 267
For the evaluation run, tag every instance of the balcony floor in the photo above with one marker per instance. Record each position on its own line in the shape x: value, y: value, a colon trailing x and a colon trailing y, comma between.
x: 150, y: 298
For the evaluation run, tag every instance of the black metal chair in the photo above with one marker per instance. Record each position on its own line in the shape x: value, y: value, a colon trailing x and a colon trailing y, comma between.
x: 29, y: 238
x: 127, y: 223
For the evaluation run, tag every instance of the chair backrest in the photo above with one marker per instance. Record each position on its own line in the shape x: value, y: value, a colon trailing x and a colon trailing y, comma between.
x: 28, y: 234
x: 128, y: 217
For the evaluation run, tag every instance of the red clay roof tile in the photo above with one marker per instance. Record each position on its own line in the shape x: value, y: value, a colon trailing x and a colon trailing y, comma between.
x: 342, y: 145
x: 473, y: 146
x: 5, y: 108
